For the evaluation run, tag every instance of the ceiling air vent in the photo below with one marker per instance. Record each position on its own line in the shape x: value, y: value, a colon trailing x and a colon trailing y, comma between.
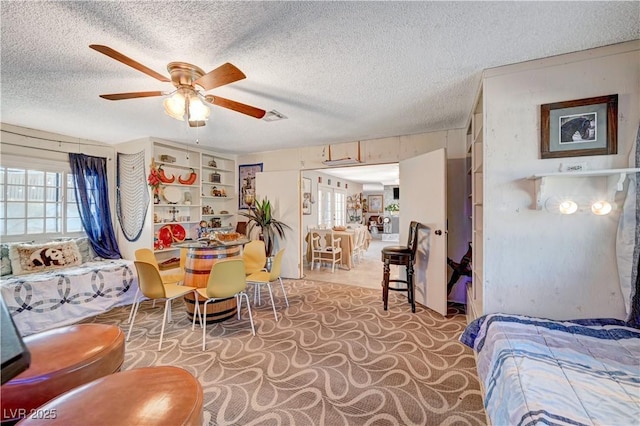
x: 274, y: 115
x: 347, y: 161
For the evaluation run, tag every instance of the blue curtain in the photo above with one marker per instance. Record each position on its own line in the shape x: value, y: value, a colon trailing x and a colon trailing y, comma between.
x: 92, y: 194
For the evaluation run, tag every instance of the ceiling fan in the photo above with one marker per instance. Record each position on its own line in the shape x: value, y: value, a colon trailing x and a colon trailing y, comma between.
x: 190, y: 81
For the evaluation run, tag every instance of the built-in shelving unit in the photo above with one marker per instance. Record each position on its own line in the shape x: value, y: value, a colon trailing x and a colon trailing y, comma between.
x: 475, y: 149
x: 219, y: 202
x: 180, y: 200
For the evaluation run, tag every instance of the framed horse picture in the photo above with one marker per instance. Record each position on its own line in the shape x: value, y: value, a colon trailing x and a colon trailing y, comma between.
x: 579, y: 127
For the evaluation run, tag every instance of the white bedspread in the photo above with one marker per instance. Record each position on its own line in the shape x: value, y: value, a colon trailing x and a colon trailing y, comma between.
x: 42, y: 301
x: 537, y: 371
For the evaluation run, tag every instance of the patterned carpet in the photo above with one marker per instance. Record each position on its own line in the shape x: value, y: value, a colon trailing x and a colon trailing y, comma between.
x: 334, y: 358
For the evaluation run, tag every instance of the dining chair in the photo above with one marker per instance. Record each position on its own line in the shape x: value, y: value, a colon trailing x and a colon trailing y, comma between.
x: 325, y: 246
x: 147, y: 255
x: 264, y: 277
x: 152, y: 287
x: 254, y: 256
x: 227, y: 279
x: 358, y: 244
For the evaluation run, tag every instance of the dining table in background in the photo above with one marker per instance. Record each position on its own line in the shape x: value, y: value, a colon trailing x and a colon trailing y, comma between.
x: 347, y: 244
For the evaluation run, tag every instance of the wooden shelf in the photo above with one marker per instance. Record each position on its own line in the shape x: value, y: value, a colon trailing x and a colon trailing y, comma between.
x: 216, y: 169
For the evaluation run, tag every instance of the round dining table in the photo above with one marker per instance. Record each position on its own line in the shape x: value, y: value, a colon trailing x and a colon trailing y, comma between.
x: 201, y: 256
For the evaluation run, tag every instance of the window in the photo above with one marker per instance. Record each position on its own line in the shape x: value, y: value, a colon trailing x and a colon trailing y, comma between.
x: 325, y: 196
x: 340, y: 209
x: 36, y: 203
x: 332, y: 207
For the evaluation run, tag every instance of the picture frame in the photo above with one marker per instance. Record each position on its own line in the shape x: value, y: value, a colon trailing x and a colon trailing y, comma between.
x: 375, y: 204
x: 579, y: 127
x: 247, y: 184
x: 306, y: 196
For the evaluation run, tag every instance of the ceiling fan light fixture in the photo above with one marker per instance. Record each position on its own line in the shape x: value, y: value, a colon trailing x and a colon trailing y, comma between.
x: 187, y: 102
x: 197, y: 110
x: 174, y: 106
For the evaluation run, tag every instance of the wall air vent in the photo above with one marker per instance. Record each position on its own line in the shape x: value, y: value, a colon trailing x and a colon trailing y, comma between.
x: 347, y: 161
x: 274, y: 115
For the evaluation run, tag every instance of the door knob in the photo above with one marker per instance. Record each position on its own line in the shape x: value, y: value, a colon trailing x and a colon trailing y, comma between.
x: 438, y: 232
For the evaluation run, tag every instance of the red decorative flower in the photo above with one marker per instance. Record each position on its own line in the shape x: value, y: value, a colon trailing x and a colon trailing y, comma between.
x: 153, y: 179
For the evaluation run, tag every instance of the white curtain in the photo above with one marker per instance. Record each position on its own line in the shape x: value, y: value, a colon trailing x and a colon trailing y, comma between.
x: 628, y: 237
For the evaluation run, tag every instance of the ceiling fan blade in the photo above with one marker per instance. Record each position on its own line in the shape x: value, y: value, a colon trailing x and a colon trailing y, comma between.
x: 132, y: 95
x: 128, y: 61
x: 235, y: 106
x: 220, y: 76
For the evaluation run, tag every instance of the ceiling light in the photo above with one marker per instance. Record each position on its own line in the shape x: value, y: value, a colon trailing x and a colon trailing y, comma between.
x: 198, y: 111
x: 174, y: 106
x: 568, y: 207
x: 601, y: 208
x: 186, y: 102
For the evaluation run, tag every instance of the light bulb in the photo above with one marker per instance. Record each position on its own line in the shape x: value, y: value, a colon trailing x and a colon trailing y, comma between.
x: 601, y: 208
x: 198, y: 111
x: 568, y: 207
x: 174, y: 106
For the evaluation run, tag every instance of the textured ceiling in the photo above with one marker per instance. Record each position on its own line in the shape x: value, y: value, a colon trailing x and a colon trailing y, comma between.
x: 340, y: 71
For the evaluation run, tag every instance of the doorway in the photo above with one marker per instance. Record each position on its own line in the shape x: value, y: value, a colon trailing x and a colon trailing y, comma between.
x: 339, y: 199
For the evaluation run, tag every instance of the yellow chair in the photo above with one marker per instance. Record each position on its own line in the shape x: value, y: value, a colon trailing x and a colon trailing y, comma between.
x: 227, y: 279
x: 151, y: 285
x: 267, y: 277
x: 183, y: 260
x: 146, y: 255
x: 254, y: 256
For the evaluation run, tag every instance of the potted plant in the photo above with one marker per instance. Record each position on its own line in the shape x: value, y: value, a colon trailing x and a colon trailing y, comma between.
x: 261, y: 215
x: 393, y: 208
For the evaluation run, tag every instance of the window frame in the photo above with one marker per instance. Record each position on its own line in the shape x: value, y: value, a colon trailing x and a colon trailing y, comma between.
x: 40, y: 165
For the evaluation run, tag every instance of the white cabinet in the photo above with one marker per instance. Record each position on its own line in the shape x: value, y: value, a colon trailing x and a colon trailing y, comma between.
x: 475, y: 140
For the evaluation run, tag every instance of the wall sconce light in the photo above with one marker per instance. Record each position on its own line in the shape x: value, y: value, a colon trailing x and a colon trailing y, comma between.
x: 576, y: 204
x: 601, y: 208
x: 568, y: 207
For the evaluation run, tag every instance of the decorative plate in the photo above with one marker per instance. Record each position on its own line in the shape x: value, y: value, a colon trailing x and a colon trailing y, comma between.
x: 164, y: 235
x: 178, y: 232
x: 172, y: 194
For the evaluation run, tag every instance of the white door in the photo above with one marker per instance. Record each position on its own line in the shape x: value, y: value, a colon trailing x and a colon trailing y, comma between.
x: 332, y: 206
x: 423, y: 198
x: 283, y: 191
x: 325, y: 206
x: 340, y: 207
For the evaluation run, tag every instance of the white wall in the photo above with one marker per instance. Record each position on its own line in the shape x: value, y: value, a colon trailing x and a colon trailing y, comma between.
x: 536, y: 262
